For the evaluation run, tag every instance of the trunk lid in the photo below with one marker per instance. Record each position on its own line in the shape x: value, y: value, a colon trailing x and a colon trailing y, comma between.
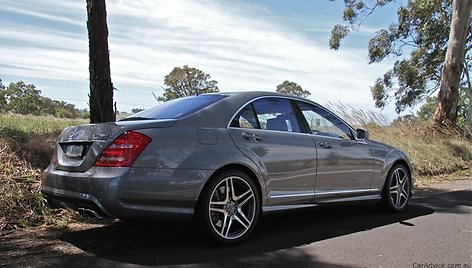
x: 79, y: 147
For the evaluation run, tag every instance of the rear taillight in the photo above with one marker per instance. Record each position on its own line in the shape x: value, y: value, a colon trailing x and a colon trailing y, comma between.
x: 123, y: 150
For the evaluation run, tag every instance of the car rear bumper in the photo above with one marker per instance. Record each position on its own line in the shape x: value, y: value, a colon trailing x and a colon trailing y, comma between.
x: 86, y: 205
x: 125, y: 193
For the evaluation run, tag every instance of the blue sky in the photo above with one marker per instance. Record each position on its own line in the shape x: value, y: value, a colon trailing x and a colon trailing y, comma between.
x: 244, y: 45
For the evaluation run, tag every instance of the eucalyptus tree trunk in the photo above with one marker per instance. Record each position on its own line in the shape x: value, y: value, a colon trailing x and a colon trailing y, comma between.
x: 446, y: 110
x: 468, y: 122
x: 101, y: 88
x: 468, y: 90
x: 469, y: 111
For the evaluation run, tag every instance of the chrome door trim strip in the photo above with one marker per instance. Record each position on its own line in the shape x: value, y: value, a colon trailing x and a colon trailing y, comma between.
x: 286, y: 207
x: 344, y: 192
x: 292, y: 195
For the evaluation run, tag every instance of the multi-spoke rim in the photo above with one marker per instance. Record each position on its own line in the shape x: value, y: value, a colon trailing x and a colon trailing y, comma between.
x: 399, y: 188
x: 232, y: 207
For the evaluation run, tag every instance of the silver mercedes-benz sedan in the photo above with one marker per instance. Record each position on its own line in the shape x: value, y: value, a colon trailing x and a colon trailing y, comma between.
x: 222, y: 159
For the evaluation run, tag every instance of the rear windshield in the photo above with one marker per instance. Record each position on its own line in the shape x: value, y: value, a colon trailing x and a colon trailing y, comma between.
x: 177, y: 108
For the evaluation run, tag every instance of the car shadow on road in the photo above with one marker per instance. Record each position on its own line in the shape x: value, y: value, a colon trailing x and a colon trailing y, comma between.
x: 445, y: 200
x: 153, y: 244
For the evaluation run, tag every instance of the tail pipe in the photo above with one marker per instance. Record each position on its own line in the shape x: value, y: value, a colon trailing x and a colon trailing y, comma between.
x: 89, y: 213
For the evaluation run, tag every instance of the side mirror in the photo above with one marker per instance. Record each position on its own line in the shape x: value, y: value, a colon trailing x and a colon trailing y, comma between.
x: 362, y: 134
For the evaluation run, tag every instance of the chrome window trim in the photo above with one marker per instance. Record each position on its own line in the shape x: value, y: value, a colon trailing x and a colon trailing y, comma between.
x: 294, y: 99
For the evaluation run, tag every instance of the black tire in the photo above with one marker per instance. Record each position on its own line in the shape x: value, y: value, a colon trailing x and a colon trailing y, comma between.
x: 397, y: 190
x: 229, y: 207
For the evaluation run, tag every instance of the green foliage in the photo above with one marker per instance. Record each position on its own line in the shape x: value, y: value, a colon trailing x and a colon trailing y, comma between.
x: 355, y: 11
x: 3, y: 101
x: 422, y: 29
x: 427, y: 110
x: 337, y: 34
x: 187, y: 81
x: 22, y: 98
x: 292, y: 88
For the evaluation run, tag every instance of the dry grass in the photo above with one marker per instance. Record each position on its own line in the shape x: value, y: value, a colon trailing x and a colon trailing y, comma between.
x: 358, y: 117
x: 431, y: 152
x: 26, y: 145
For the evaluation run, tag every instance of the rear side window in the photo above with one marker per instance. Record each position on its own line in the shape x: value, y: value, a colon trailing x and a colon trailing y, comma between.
x: 245, y: 118
x: 268, y: 113
x: 177, y: 108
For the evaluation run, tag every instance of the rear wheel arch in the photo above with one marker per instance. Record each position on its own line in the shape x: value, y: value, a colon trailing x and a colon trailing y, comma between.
x: 248, y: 171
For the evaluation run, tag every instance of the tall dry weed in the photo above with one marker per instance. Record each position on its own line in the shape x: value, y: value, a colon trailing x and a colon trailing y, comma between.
x: 431, y: 151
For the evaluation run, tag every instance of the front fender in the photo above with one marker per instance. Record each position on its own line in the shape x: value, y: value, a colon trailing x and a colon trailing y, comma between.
x: 385, y: 158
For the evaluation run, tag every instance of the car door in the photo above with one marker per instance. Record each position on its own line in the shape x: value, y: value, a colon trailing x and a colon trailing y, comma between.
x: 268, y: 132
x: 344, y: 164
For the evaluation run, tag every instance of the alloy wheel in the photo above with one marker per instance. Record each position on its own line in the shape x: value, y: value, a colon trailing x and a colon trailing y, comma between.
x: 232, y: 208
x: 399, y: 188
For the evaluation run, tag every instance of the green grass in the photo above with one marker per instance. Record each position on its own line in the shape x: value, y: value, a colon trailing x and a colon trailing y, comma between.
x: 36, y: 125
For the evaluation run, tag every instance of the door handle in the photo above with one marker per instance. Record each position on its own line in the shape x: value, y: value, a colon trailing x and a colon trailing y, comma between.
x: 325, y: 145
x: 250, y: 137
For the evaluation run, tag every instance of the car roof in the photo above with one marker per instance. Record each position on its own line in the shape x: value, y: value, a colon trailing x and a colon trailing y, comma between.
x: 255, y: 94
x: 221, y: 112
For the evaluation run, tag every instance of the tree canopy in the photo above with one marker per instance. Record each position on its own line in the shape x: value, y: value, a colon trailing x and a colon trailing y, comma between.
x: 292, y: 88
x: 22, y: 98
x: 187, y: 81
x: 422, y: 30
x: 3, y: 101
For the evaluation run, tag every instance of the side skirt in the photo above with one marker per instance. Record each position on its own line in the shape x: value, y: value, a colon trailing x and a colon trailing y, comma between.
x: 374, y: 197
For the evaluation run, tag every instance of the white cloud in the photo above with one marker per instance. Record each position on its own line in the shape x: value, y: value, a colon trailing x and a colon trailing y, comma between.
x: 237, y: 43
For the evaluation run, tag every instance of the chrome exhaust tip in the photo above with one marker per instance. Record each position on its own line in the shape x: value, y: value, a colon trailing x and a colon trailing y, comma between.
x: 46, y: 203
x: 88, y: 213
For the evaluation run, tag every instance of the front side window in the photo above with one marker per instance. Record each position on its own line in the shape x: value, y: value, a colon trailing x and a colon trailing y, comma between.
x: 322, y: 122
